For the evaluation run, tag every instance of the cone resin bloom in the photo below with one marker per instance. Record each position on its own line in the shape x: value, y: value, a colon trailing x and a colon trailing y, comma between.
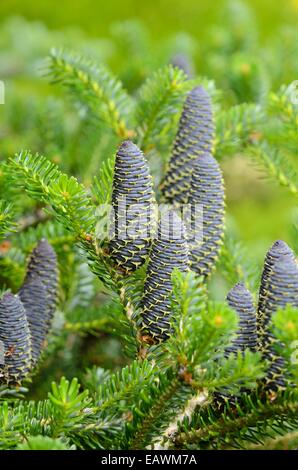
x: 133, y: 204
x: 279, y: 287
x: 207, y: 196
x: 42, y: 267
x: 241, y: 301
x: 15, y: 340
x: 195, y: 136
x: 169, y: 251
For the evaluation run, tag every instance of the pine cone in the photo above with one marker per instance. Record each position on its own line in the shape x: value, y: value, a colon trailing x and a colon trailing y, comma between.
x: 15, y: 338
x: 42, y: 266
x: 169, y: 251
x: 132, y: 189
x: 195, y: 136
x: 33, y: 295
x: 207, y: 194
x: 279, y: 287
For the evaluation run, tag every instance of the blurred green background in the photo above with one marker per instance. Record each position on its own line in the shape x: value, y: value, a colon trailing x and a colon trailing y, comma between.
x: 260, y: 211
x: 161, y: 16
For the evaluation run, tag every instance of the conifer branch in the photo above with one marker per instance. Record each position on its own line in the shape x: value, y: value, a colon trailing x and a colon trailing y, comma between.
x: 159, y: 101
x: 214, y: 433
x: 125, y: 385
x: 236, y: 127
x: 277, y: 166
x: 288, y: 441
x: 236, y: 265
x: 150, y: 416
x: 95, y: 88
x: 44, y: 182
x: 7, y: 223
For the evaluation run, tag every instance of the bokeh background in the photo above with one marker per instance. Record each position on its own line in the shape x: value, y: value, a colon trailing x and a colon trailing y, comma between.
x: 162, y: 17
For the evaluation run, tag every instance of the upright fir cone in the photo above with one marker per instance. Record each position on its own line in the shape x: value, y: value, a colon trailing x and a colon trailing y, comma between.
x: 15, y: 340
x: 169, y: 250
x: 132, y: 202
x: 206, y: 197
x: 240, y: 300
x: 274, y: 254
x: 279, y: 287
x: 39, y: 293
x: 195, y: 136
x: 33, y: 295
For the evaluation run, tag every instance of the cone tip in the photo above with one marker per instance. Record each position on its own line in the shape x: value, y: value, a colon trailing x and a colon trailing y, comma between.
x: 127, y: 146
